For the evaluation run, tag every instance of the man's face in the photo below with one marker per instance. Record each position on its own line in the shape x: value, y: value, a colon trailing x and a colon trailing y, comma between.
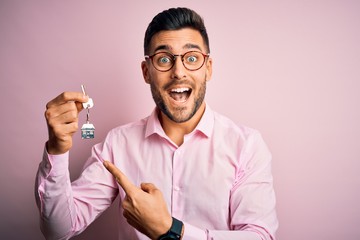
x: 179, y: 92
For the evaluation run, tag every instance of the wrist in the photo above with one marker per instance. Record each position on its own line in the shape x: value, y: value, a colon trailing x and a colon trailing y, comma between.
x: 54, y: 148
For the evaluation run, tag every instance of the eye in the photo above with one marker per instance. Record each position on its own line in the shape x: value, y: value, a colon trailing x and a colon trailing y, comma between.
x: 163, y: 59
x: 191, y: 58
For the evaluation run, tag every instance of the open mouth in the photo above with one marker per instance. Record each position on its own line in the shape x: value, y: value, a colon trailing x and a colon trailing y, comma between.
x: 180, y: 94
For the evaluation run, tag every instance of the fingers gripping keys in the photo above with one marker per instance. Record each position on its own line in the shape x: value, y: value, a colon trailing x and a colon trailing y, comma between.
x: 87, y: 129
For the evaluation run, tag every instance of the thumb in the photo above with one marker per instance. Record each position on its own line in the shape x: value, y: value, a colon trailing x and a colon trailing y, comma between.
x: 148, y: 187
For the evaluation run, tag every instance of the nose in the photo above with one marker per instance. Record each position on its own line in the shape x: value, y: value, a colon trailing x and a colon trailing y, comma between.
x: 178, y: 70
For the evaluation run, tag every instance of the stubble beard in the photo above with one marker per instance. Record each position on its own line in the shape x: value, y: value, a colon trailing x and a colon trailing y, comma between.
x: 180, y: 114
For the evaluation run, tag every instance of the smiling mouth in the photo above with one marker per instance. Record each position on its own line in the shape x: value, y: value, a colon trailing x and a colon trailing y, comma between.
x: 180, y: 94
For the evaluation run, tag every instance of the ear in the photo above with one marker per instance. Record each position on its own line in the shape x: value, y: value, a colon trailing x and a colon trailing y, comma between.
x: 145, y: 71
x: 208, y: 69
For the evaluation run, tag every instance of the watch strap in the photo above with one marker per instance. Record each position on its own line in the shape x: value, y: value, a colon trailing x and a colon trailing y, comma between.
x: 174, y: 231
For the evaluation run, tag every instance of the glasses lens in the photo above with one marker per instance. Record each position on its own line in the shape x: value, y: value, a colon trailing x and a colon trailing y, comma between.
x: 193, y: 60
x: 163, y: 61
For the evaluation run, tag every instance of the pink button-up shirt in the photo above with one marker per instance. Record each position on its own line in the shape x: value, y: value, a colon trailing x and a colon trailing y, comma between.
x: 218, y: 182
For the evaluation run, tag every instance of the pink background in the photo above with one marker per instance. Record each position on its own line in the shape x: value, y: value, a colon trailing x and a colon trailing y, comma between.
x: 288, y: 68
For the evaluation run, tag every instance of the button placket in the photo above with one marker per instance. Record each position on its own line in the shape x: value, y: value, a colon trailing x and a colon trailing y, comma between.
x: 176, y: 188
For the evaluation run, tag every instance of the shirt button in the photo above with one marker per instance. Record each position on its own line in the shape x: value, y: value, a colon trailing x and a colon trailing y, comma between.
x: 176, y: 188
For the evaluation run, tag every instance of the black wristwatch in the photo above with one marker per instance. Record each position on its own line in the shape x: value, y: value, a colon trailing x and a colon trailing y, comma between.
x: 174, y: 232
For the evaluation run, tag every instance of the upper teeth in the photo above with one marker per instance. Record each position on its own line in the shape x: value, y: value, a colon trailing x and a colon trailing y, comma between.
x: 180, y: 90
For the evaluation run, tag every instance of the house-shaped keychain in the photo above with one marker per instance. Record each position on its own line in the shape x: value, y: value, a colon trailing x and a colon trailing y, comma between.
x: 87, y: 131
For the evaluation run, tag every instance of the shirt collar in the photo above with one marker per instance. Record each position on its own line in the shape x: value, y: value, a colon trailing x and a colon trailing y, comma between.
x: 205, y: 125
x: 153, y: 124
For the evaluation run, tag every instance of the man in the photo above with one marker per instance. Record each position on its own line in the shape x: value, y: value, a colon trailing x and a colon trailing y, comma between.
x: 183, y: 172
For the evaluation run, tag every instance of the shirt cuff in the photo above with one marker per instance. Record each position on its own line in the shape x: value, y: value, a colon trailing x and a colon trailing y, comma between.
x: 55, y: 164
x: 193, y: 233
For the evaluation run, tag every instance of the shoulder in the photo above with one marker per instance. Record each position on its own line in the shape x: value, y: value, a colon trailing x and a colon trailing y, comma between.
x: 224, y: 124
x: 246, y: 142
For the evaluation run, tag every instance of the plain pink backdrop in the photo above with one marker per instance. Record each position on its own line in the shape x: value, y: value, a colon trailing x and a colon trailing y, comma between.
x: 288, y: 68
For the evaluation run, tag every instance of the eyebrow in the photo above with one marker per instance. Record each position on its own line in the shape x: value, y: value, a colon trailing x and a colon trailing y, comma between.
x: 186, y: 46
x: 191, y: 45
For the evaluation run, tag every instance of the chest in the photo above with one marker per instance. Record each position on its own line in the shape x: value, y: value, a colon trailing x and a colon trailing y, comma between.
x: 195, y: 179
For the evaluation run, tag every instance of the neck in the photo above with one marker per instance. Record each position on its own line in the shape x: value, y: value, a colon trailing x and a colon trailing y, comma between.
x: 176, y: 131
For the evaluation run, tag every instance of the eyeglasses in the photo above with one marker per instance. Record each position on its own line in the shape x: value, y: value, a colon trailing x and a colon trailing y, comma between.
x: 164, y: 61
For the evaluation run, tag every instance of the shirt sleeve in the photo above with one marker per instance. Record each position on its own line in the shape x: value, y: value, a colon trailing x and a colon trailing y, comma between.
x: 66, y: 208
x: 252, y: 198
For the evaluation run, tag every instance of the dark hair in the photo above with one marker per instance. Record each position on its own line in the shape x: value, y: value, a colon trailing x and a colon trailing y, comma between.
x: 175, y: 19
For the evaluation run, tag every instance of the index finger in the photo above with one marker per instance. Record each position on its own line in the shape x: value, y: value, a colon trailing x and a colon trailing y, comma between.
x: 67, y: 97
x: 120, y: 177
